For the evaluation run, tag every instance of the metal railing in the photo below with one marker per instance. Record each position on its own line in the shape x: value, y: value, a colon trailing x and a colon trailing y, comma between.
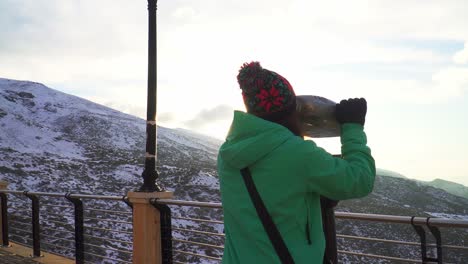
x: 417, y: 224
x: 70, y: 225
x: 77, y: 225
x: 204, y: 232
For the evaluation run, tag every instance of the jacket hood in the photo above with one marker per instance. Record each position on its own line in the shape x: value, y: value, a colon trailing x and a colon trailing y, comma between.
x: 250, y: 138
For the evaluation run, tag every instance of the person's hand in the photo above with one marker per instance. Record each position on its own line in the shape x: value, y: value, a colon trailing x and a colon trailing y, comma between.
x: 351, y: 111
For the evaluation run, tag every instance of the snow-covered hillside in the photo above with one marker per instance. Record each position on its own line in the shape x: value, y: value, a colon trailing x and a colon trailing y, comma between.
x: 50, y: 134
x: 54, y: 142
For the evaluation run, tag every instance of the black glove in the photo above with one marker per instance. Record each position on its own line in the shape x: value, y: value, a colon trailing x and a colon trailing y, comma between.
x: 351, y: 111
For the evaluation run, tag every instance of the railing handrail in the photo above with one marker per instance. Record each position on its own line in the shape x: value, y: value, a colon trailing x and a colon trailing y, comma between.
x: 432, y: 221
x: 71, y: 195
x: 190, y: 203
x: 400, y: 242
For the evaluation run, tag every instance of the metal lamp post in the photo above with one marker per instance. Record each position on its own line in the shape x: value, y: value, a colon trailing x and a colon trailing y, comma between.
x: 150, y: 174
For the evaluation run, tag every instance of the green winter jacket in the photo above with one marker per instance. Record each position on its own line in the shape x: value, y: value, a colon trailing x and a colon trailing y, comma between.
x: 290, y: 174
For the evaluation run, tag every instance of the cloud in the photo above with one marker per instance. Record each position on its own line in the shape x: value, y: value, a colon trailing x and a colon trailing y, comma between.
x: 77, y: 42
x: 434, y: 85
x: 207, y: 116
x: 445, y: 85
x: 129, y: 109
x: 53, y: 27
x: 98, y: 49
x: 452, y: 79
x: 126, y: 107
x: 167, y: 117
x: 461, y: 57
x: 380, y: 18
x: 185, y: 13
x: 71, y: 41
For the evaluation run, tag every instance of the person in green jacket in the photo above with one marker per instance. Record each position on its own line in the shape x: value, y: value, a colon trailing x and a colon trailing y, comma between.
x: 290, y: 173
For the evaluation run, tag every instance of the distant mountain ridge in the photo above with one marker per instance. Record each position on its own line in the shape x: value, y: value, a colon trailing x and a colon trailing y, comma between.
x: 389, y: 173
x: 450, y: 187
x: 54, y: 142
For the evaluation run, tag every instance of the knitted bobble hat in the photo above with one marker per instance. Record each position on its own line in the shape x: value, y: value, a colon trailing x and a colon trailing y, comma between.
x: 266, y: 94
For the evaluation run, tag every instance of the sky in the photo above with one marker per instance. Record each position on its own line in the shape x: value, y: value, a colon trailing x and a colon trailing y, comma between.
x: 408, y: 58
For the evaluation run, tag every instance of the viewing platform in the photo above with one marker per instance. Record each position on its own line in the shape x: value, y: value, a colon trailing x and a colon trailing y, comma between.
x: 18, y: 254
x: 7, y: 257
x: 39, y: 227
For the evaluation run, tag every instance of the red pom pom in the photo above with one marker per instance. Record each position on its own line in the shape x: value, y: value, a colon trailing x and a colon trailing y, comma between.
x: 248, y: 73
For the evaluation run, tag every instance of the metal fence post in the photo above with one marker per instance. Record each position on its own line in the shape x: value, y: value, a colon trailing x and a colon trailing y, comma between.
x: 166, y: 231
x: 79, y: 228
x: 4, y: 215
x: 437, y: 235
x: 35, y: 224
x: 422, y: 235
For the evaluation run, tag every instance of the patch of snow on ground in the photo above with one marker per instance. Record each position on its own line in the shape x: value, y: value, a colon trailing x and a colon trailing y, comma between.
x: 169, y: 167
x: 205, y: 179
x: 127, y: 173
x: 183, y: 140
x: 449, y: 216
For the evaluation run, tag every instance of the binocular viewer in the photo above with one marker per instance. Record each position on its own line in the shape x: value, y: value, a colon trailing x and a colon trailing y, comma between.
x: 317, y: 115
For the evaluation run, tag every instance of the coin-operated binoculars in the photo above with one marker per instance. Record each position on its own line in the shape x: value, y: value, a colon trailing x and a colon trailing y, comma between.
x: 317, y: 115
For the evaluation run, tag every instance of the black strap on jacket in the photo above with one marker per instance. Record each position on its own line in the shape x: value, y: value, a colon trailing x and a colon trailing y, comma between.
x: 268, y: 224
x: 329, y: 229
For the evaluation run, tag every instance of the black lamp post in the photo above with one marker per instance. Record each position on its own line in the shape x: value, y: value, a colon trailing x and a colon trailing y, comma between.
x: 150, y: 174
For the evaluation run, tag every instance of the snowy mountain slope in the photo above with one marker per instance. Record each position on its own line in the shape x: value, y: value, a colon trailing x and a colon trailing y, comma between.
x: 54, y: 142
